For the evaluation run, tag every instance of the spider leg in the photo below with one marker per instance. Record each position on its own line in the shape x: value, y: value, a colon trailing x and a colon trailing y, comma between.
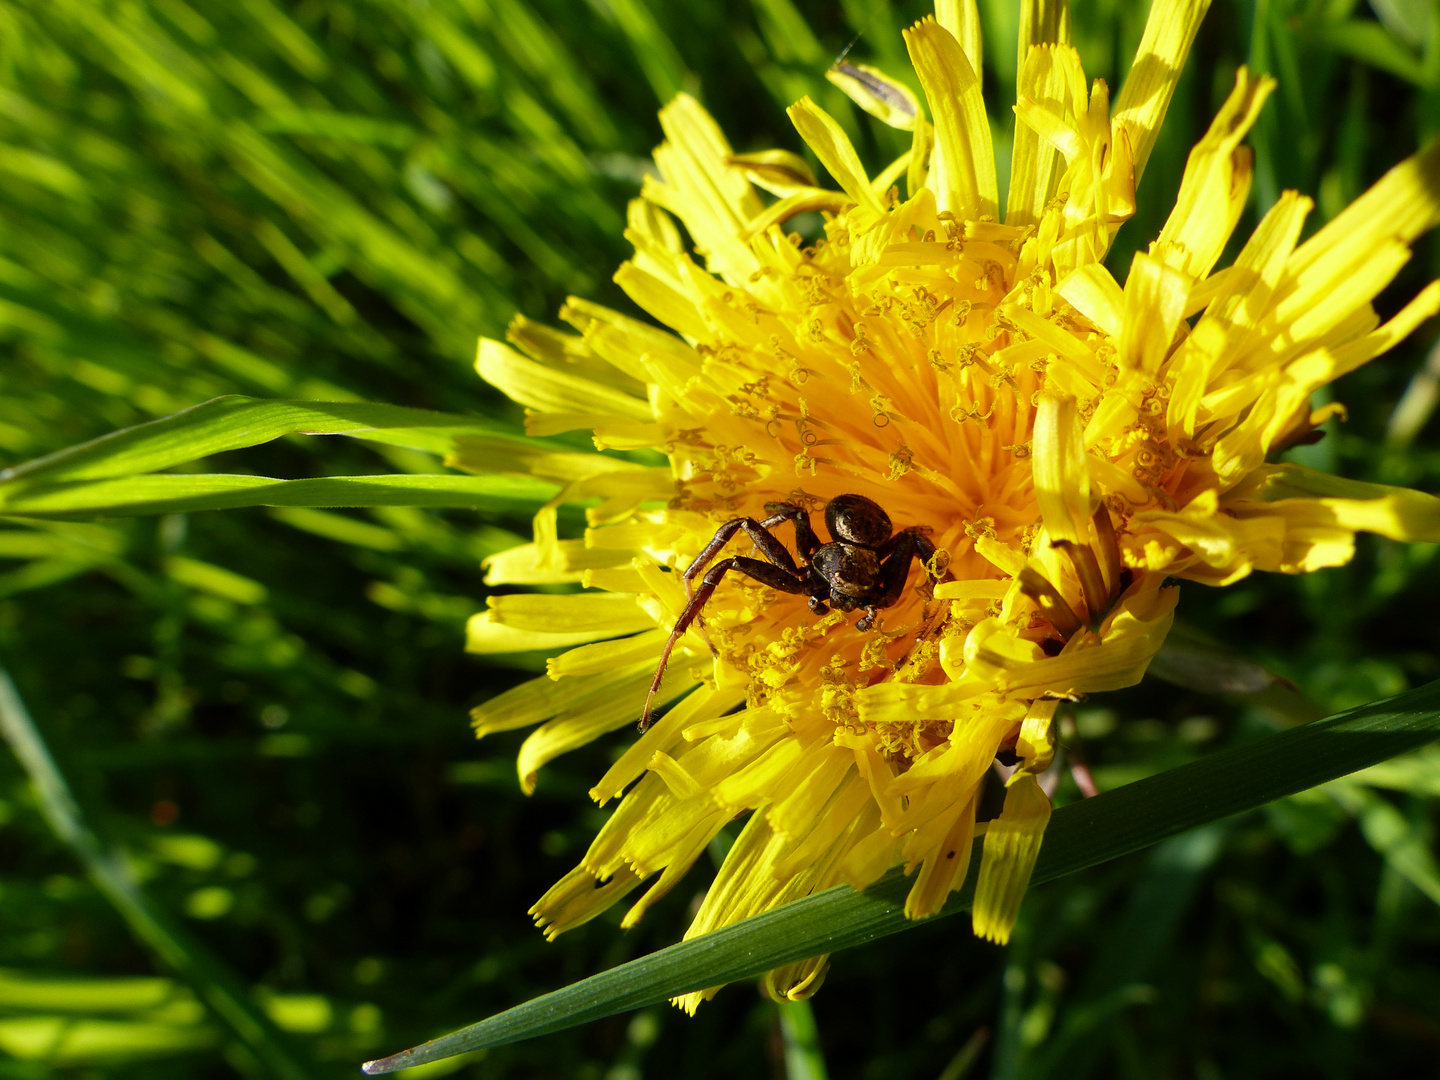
x: 805, y: 539
x: 919, y: 534
x: 759, y: 534
x: 924, y: 548
x: 896, y: 569
x: 777, y: 577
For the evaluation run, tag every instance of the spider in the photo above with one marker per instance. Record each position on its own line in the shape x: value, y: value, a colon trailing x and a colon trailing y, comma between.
x: 864, y: 565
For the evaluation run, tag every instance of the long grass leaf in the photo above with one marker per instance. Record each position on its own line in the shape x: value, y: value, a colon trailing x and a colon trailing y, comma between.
x: 187, y: 492
x: 235, y: 422
x: 1081, y: 835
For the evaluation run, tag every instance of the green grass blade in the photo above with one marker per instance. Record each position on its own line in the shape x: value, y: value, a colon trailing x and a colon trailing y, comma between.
x: 656, y: 54
x: 235, y: 422
x: 1079, y: 836
x: 1370, y: 43
x: 111, y: 872
x: 804, y: 1059
x: 185, y: 492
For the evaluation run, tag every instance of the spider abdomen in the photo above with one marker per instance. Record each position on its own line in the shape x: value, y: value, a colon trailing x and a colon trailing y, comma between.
x: 848, y: 569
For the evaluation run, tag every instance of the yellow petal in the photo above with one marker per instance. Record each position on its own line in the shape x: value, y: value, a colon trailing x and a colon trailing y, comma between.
x: 878, y: 775
x: 1203, y: 293
x: 1401, y: 205
x: 804, y: 796
x: 1093, y: 292
x: 540, y: 699
x: 527, y: 564
x: 662, y: 301
x: 1128, y: 641
x: 549, y: 390
x: 798, y: 202
x: 895, y: 702
x: 944, y: 868
x: 1155, y: 296
x: 868, y: 860
x: 579, y: 613
x: 654, y: 225
x: 1324, y: 366
x: 577, y: 898
x: 1066, y: 344
x: 722, y: 748
x: 1042, y: 22
x: 1216, y: 182
x: 797, y: 981
x: 1201, y: 545
x: 606, y: 655
x: 743, y: 884
x: 779, y: 172
x: 1140, y: 108
x: 962, y: 19
x: 1336, y: 286
x: 1395, y: 512
x: 646, y: 806
x: 1044, y: 83
x: 569, y: 352
x: 623, y: 340
x: 702, y: 190
x: 704, y: 704
x: 972, y: 590
x: 484, y: 454
x: 1062, y: 478
x: 1052, y: 125
x: 921, y: 148
x: 1012, y: 844
x: 1009, y: 561
x: 484, y: 635
x: 1036, y: 744
x: 1237, y: 308
x: 964, y: 178
x: 689, y: 848
x: 844, y: 810
x: 832, y: 146
x: 579, y: 726
x: 757, y: 782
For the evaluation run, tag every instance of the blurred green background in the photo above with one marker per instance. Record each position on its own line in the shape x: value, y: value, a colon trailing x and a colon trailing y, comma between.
x: 266, y: 710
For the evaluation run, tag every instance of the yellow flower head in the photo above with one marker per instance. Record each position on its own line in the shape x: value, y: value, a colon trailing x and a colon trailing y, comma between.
x: 1070, y: 444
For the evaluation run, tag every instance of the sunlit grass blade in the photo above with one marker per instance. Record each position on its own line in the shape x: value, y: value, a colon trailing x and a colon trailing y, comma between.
x: 804, y: 1059
x: 111, y: 872
x: 1080, y: 835
x: 235, y: 422
x: 1370, y: 43
x: 186, y: 492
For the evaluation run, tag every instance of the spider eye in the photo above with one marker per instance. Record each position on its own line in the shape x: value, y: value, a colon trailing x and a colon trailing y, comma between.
x: 854, y: 519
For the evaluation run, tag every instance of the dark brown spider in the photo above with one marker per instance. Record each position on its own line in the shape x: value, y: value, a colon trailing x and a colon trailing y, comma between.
x: 862, y: 566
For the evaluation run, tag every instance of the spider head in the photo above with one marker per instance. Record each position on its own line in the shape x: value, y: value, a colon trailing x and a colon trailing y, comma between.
x: 854, y: 519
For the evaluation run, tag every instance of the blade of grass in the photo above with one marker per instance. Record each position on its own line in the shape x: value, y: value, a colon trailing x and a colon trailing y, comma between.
x: 111, y: 874
x: 187, y: 492
x: 1081, y: 835
x: 1372, y: 44
x: 804, y: 1060
x: 235, y: 422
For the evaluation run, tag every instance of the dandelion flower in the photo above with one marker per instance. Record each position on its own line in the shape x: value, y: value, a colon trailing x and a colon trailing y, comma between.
x: 1073, y: 444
